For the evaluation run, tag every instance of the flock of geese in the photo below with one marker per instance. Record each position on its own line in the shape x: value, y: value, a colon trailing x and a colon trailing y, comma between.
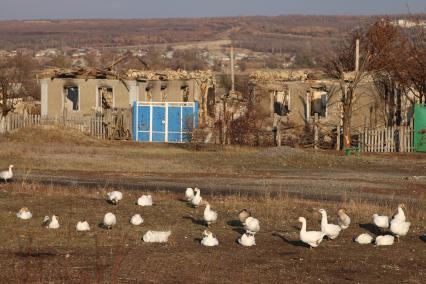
x: 397, y: 224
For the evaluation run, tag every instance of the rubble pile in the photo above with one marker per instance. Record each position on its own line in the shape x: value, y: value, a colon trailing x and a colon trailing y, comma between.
x: 278, y: 75
x: 169, y: 75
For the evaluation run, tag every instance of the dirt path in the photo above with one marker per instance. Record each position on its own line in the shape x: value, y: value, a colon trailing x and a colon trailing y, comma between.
x: 336, y: 185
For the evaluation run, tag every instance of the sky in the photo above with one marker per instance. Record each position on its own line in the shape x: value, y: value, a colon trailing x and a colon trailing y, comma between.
x: 80, y: 9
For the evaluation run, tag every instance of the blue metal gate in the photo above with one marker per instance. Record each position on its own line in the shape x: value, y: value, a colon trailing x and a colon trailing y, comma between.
x: 164, y: 122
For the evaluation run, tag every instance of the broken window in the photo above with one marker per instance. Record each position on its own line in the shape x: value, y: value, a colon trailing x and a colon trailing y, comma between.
x: 72, y: 97
x: 148, y: 90
x: 163, y: 92
x: 105, y: 98
x: 282, y: 102
x: 185, y: 93
x: 319, y: 103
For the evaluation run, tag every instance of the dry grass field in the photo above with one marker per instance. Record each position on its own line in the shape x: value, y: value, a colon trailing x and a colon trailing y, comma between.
x: 233, y: 178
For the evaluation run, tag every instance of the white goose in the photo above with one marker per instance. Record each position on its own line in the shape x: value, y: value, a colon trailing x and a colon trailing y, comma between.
x: 399, y: 228
x: 109, y: 220
x: 381, y: 222
x: 136, y: 220
x: 247, y: 240
x: 312, y: 238
x: 209, y: 240
x: 114, y: 197
x: 252, y: 225
x: 331, y: 230
x: 7, y: 175
x: 156, y: 236
x: 343, y: 220
x: 145, y: 200
x: 399, y: 216
x: 189, y: 193
x: 210, y: 216
x: 24, y: 214
x: 364, y: 239
x: 387, y: 240
x: 82, y: 226
x: 197, y: 199
x: 51, y: 223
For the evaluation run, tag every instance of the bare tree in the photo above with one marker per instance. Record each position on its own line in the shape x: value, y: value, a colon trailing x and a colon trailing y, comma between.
x: 342, y: 68
x: 9, y: 92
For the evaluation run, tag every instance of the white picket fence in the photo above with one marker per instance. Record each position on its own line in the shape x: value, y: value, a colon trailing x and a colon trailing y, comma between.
x: 390, y: 139
x: 94, y: 126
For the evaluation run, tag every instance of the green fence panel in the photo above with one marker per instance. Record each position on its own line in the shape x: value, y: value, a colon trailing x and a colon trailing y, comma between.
x: 420, y: 128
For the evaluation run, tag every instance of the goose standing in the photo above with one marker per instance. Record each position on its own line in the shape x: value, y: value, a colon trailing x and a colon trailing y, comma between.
x: 109, y: 220
x: 189, y: 194
x: 331, y: 230
x: 382, y: 222
x: 136, y: 220
x: 145, y: 200
x: 364, y: 239
x: 82, y: 226
x: 247, y: 240
x: 24, y: 214
x: 197, y: 199
x: 209, y: 240
x: 387, y: 240
x: 156, y: 236
x: 399, y: 228
x: 399, y: 216
x: 343, y: 220
x: 51, y: 223
x: 7, y: 175
x: 210, y: 216
x: 243, y: 215
x: 252, y: 225
x: 114, y: 197
x: 312, y: 238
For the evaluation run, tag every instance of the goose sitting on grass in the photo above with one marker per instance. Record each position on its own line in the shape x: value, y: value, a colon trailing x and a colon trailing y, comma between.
x: 82, y: 226
x: 399, y: 228
x: 24, y: 214
x: 382, y: 222
x: 387, y: 240
x: 209, y: 216
x: 189, y: 193
x: 332, y: 231
x: 209, y: 240
x: 145, y: 200
x: 51, y: 223
x: 243, y: 215
x: 7, y: 175
x: 364, y: 239
x: 252, y: 225
x: 399, y: 215
x: 109, y: 220
x: 197, y: 199
x: 247, y: 240
x: 114, y: 197
x: 156, y: 236
x: 343, y: 220
x: 136, y: 220
x: 312, y: 238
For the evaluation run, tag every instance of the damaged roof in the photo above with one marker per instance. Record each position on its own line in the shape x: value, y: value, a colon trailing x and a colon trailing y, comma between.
x: 132, y: 74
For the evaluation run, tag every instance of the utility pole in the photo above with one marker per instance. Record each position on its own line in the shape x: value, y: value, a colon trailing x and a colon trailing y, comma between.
x: 232, y: 70
x: 357, y: 55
